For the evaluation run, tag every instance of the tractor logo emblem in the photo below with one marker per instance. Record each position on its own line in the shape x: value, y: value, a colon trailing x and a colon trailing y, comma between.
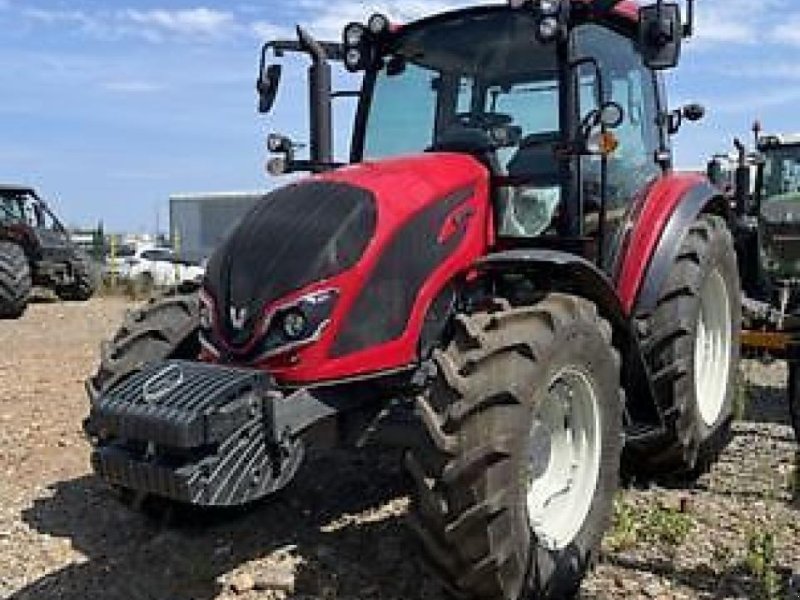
x: 163, y: 383
x: 238, y: 317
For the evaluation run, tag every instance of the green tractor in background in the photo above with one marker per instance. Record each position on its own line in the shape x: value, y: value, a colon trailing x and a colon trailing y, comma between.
x: 764, y: 187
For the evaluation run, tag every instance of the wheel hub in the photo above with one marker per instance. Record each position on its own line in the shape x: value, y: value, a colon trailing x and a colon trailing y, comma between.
x: 564, y: 459
x: 712, y: 348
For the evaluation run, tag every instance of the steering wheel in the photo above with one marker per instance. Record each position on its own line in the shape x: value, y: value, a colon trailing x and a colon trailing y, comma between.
x: 487, y: 121
x: 498, y: 126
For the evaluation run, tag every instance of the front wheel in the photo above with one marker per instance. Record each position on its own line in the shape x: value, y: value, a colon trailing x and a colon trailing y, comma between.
x: 515, y: 485
x: 84, y: 282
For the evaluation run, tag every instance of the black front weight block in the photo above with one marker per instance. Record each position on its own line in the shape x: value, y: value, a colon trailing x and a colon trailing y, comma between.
x: 201, y: 434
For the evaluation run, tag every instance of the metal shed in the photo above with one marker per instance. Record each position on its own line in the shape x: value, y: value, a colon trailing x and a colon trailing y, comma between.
x: 199, y: 222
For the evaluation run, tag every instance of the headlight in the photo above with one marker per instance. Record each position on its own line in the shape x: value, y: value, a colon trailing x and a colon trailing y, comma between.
x: 354, y: 34
x: 353, y: 59
x: 549, y: 8
x: 548, y: 29
x: 294, y: 324
x: 297, y: 323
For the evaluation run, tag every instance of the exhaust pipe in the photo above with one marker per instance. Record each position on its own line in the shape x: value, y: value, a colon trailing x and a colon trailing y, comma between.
x: 320, y: 117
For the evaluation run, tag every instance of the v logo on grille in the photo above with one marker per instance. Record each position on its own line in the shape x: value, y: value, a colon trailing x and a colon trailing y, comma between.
x: 238, y: 317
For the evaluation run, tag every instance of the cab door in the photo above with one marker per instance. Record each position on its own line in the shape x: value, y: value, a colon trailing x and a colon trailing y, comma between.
x: 634, y: 165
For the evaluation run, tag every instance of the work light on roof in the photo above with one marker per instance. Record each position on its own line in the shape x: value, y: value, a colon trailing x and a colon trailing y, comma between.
x: 354, y: 34
x: 548, y: 29
x: 378, y: 24
x: 353, y: 59
x: 549, y: 8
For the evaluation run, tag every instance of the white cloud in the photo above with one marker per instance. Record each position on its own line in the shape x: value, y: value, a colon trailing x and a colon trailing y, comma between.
x: 788, y: 32
x: 156, y: 25
x: 333, y: 16
x: 755, y: 103
x: 188, y: 22
x: 265, y: 30
x: 132, y: 86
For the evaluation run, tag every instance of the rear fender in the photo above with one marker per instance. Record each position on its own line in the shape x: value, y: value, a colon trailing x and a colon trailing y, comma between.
x: 556, y: 271
x: 672, y: 205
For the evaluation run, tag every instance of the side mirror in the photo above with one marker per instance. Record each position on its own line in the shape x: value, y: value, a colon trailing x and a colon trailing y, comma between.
x: 660, y: 35
x: 268, y: 84
x: 690, y: 112
x: 593, y: 137
x: 693, y: 112
x: 611, y: 115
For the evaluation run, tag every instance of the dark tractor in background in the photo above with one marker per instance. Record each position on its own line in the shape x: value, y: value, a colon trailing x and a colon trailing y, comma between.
x: 35, y: 250
x: 507, y: 280
x: 763, y: 184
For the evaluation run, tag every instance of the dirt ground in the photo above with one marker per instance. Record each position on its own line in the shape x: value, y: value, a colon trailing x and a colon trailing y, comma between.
x: 338, y: 532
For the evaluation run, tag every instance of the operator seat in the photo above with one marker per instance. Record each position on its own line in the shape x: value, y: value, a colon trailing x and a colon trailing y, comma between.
x: 536, y: 159
x: 529, y: 207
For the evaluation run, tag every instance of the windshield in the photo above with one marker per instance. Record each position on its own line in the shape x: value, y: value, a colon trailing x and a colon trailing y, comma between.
x: 782, y: 173
x: 478, y: 70
x: 478, y: 82
x: 18, y: 206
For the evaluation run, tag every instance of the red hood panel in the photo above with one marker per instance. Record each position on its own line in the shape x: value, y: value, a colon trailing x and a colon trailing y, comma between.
x: 406, y: 185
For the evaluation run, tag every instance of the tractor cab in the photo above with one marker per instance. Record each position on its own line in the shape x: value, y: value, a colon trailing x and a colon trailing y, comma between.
x: 26, y: 219
x: 779, y: 200
x: 560, y: 101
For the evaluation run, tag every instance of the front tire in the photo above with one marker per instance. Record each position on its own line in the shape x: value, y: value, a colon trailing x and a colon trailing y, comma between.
x: 692, y: 346
x: 84, y: 282
x: 515, y: 484
x: 15, y: 281
x: 167, y: 327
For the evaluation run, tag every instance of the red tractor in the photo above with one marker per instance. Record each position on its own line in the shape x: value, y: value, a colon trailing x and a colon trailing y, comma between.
x: 507, y: 280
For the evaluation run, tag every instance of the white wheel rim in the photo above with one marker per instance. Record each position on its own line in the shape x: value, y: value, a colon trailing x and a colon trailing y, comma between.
x: 564, y: 459
x: 712, y: 348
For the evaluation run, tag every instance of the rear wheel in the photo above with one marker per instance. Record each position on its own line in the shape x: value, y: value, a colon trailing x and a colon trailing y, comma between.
x: 15, y: 281
x: 692, y: 344
x: 514, y: 487
x: 794, y: 395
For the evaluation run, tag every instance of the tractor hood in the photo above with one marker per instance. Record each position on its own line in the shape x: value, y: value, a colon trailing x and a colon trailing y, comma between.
x: 350, y: 239
x: 297, y: 235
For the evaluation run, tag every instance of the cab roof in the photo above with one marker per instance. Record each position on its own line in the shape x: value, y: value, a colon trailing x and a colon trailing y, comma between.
x: 10, y: 187
x: 624, y: 8
x: 783, y: 139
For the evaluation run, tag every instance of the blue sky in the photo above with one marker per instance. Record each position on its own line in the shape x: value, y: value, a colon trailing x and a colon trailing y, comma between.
x: 108, y: 106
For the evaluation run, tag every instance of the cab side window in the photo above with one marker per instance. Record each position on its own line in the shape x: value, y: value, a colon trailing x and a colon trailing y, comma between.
x: 626, y: 81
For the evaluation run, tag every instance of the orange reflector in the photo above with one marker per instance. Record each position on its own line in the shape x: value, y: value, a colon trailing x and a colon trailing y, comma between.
x: 608, y: 143
x: 766, y: 340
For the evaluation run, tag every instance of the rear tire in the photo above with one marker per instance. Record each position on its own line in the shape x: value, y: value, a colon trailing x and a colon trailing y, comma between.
x: 15, y: 281
x: 794, y: 395
x: 692, y: 346
x: 505, y: 507
x: 167, y: 327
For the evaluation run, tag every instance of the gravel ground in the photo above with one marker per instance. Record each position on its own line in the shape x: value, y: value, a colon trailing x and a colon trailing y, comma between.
x: 338, y: 531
